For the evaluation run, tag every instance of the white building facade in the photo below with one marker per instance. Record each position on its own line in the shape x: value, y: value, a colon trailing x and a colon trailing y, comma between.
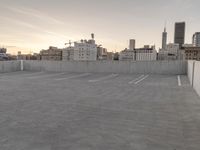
x: 140, y: 54
x: 146, y: 54
x: 85, y: 50
x: 171, y: 52
x: 126, y: 54
x: 172, y: 48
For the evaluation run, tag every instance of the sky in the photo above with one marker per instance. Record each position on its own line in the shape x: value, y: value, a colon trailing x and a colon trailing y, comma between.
x: 32, y: 25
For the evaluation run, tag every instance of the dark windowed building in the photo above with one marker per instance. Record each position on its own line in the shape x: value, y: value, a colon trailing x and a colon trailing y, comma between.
x: 196, y: 39
x: 179, y: 35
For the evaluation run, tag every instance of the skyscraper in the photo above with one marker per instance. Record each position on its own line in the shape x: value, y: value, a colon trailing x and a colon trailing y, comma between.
x: 132, y: 44
x: 196, y: 39
x: 179, y: 35
x: 164, y: 39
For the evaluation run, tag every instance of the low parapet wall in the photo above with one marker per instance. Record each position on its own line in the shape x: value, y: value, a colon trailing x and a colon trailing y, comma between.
x: 139, y: 67
x: 194, y: 74
x: 9, y: 66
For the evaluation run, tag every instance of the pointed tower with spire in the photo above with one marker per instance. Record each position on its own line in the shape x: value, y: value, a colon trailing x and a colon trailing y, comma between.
x: 164, y: 38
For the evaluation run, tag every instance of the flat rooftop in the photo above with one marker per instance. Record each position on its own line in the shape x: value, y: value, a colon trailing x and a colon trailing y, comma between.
x: 88, y: 111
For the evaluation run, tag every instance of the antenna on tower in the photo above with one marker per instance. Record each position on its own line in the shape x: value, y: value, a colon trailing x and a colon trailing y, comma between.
x: 165, y: 26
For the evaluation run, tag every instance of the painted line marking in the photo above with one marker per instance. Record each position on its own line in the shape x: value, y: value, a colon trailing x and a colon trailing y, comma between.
x: 48, y: 75
x: 75, y: 76
x: 10, y: 73
x: 21, y: 75
x: 104, y: 78
x: 30, y: 74
x: 179, y: 80
x: 142, y: 79
x: 131, y: 82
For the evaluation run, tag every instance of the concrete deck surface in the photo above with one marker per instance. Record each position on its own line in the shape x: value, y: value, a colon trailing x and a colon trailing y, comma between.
x: 70, y: 111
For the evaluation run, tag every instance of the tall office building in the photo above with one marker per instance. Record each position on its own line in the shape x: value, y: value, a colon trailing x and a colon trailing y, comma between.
x: 132, y: 44
x: 164, y: 39
x: 179, y: 35
x: 196, y: 39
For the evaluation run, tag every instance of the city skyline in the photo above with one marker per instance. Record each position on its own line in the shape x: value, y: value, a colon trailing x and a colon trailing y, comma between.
x: 35, y: 25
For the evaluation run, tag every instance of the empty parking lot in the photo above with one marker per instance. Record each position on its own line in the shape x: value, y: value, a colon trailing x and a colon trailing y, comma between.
x: 88, y: 111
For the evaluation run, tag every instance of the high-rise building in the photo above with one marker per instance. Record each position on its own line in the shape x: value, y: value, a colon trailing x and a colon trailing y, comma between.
x: 196, y: 39
x: 164, y: 39
x: 179, y: 35
x: 132, y: 44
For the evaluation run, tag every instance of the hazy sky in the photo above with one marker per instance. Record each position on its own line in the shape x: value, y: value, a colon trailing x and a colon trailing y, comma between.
x: 36, y: 24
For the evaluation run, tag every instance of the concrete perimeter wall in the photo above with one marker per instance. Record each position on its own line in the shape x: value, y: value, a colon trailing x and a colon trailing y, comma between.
x: 194, y: 74
x: 139, y: 67
x: 190, y: 71
x: 9, y: 66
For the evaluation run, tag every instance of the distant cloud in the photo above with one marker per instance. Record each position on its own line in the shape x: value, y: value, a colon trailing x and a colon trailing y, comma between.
x: 34, y: 13
x: 32, y: 26
x: 19, y: 22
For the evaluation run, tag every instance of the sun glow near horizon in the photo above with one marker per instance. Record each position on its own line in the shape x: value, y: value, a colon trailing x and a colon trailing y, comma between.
x: 34, y: 25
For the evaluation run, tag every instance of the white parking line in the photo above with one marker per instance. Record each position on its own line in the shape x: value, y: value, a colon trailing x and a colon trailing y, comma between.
x: 30, y: 74
x: 179, y: 80
x: 42, y: 76
x: 131, y: 82
x: 10, y: 73
x: 104, y: 78
x: 75, y: 76
x: 142, y: 79
x: 21, y: 75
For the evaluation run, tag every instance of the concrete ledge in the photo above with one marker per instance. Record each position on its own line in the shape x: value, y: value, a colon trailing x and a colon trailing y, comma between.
x: 193, y: 72
x: 9, y: 66
x: 139, y: 67
x: 196, y: 77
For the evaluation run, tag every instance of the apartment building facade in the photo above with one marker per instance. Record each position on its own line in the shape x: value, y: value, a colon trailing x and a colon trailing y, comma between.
x: 85, y: 50
x: 51, y: 54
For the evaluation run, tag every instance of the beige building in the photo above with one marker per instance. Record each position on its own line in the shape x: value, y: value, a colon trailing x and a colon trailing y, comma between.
x: 191, y: 53
x: 110, y: 55
x: 68, y: 54
x: 34, y: 56
x: 126, y: 54
x: 171, y: 52
x: 102, y: 53
x: 53, y: 53
x: 146, y: 53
